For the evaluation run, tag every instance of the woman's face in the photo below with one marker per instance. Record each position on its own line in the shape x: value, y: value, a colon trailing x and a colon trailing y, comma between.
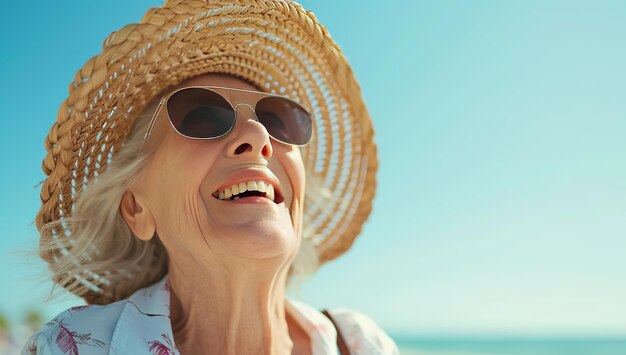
x: 184, y: 175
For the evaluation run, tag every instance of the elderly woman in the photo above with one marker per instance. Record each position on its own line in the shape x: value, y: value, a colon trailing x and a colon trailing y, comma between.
x: 211, y: 156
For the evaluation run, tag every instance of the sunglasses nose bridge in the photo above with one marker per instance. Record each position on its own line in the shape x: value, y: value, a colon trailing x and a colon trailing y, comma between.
x: 254, y: 117
x: 253, y: 136
x: 245, y: 105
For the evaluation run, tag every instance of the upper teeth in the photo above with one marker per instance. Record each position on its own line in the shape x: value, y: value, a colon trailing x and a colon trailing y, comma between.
x: 236, y: 189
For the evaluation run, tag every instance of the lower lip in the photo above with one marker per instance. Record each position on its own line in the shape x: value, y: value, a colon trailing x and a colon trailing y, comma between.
x: 251, y: 199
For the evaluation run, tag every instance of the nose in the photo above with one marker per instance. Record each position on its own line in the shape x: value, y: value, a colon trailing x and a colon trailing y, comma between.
x: 249, y: 136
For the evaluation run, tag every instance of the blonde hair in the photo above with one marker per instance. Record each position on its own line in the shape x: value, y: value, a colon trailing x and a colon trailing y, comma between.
x: 104, y: 251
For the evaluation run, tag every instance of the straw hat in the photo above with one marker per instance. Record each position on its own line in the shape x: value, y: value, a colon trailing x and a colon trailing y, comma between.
x: 276, y: 45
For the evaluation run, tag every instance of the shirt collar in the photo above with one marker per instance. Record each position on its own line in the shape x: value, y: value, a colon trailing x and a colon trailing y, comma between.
x: 319, y: 328
x: 154, y: 299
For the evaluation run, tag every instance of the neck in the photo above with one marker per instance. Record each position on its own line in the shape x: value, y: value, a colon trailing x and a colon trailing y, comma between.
x: 238, y: 309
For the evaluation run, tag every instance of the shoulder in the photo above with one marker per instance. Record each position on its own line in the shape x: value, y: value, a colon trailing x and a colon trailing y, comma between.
x: 82, y: 329
x: 362, y: 334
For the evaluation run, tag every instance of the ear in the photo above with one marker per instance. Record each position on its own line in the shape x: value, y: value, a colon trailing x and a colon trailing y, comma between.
x: 137, y: 216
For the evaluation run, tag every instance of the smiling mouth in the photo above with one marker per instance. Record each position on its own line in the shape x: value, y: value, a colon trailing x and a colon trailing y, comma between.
x: 249, y: 189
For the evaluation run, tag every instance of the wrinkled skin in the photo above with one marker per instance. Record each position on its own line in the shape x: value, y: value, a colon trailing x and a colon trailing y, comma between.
x: 228, y: 261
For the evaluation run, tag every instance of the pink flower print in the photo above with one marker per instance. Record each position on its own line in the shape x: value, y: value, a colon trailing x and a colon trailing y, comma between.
x: 64, y: 340
x: 67, y: 340
x: 158, y: 348
x: 166, y: 286
x: 356, y: 345
x: 77, y: 308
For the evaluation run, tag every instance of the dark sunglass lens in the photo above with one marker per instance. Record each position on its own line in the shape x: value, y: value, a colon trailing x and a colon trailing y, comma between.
x: 200, y: 113
x: 285, y: 120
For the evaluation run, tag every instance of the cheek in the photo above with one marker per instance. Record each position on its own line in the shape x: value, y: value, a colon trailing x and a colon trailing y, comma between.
x: 181, y: 169
x: 174, y: 183
x: 294, y: 167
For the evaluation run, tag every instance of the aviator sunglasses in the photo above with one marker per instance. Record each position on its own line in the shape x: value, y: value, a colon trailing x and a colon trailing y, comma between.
x: 204, y: 112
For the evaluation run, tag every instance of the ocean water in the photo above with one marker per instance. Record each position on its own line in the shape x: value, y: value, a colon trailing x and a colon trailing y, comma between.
x: 420, y: 346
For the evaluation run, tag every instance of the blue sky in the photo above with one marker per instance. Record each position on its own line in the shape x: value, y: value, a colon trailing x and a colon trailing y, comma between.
x: 501, y: 202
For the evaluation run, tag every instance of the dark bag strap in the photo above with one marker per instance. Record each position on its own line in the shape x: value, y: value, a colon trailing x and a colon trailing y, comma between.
x: 343, y: 348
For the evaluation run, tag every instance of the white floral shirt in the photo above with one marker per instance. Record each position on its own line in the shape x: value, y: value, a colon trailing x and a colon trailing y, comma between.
x: 140, y: 324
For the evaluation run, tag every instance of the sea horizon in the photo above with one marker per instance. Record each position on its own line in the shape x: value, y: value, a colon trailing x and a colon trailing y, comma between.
x: 510, y: 345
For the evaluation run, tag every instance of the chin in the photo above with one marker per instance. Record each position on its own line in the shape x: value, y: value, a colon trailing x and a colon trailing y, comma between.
x: 261, y: 239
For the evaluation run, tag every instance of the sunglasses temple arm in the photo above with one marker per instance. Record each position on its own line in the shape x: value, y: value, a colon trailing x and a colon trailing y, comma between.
x: 152, y: 121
